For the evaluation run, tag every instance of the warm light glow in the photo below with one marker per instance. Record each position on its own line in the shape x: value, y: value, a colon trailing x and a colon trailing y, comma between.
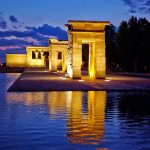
x: 17, y: 60
x: 107, y: 80
x: 56, y: 103
x: 81, y: 80
x: 87, y: 126
x: 30, y: 98
x: 84, y: 111
x: 92, y: 60
x: 62, y: 78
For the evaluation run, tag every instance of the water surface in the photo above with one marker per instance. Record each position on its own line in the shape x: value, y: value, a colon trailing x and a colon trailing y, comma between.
x: 91, y: 120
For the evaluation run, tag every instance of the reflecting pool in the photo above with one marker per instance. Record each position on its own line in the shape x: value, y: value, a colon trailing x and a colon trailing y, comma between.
x: 94, y: 120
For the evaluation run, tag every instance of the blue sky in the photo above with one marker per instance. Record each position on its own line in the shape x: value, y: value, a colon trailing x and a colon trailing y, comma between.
x: 31, y: 22
x: 57, y: 12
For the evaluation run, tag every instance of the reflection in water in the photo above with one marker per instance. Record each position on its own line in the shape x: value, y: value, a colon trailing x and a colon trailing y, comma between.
x: 85, y: 111
x: 86, y: 127
x: 57, y: 103
x: 27, y: 98
x: 48, y: 120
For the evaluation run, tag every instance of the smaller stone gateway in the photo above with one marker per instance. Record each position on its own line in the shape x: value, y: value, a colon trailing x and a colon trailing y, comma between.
x: 57, y: 56
x: 85, y: 48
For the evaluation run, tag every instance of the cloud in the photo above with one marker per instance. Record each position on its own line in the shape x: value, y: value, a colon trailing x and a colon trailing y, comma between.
x: 13, y: 19
x: 14, y: 42
x: 141, y: 6
x: 48, y: 30
x: 39, y: 34
x: 3, y: 23
x: 6, y: 48
x: 15, y: 36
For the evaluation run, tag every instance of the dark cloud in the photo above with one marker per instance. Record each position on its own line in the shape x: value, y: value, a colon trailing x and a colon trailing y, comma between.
x: 13, y: 19
x: 132, y: 11
x: 141, y: 6
x: 22, y: 34
x: 49, y: 31
x: 14, y: 42
x: 40, y: 34
x: 3, y: 23
x: 147, y: 2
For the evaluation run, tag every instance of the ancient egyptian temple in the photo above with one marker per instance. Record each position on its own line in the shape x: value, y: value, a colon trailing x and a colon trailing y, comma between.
x: 83, y: 52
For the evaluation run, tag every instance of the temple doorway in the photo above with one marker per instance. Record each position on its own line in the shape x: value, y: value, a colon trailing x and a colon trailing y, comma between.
x: 59, y: 61
x: 46, y: 55
x: 85, y: 59
x: 88, y: 60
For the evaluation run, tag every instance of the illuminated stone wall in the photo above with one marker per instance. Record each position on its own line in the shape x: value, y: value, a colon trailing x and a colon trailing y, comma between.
x: 55, y: 48
x: 86, y: 32
x: 16, y: 60
x: 36, y: 61
x: 42, y: 56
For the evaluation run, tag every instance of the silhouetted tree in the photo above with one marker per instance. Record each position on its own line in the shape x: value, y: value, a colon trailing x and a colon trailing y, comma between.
x: 123, y: 46
x: 144, y: 61
x: 111, y: 47
x: 134, y: 45
x: 128, y: 49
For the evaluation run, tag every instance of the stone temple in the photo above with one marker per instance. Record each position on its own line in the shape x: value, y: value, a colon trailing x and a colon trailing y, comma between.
x: 84, y: 51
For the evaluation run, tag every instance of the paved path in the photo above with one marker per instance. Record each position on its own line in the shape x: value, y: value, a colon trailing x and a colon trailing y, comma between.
x: 42, y: 80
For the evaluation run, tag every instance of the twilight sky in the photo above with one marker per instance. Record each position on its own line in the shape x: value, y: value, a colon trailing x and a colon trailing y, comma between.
x: 31, y: 22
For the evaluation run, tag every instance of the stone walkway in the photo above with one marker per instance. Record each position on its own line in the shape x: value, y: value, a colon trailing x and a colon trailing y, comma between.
x: 42, y: 80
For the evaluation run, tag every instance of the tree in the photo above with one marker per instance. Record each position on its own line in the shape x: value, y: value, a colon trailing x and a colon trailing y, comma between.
x: 111, y: 47
x: 122, y: 41
x: 144, y: 62
x: 133, y: 43
x: 129, y: 48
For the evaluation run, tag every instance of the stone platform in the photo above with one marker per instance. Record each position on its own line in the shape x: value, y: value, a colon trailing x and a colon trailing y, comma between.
x: 36, y: 80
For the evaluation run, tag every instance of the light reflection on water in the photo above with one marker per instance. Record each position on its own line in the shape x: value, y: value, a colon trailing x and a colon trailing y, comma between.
x: 83, y: 126
x: 73, y: 120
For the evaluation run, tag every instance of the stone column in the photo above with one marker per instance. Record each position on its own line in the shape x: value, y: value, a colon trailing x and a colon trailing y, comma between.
x: 64, y: 66
x: 53, y: 60
x: 36, y: 54
x: 42, y: 52
x: 69, y: 55
x: 42, y: 57
x: 77, y: 59
x: 100, y: 57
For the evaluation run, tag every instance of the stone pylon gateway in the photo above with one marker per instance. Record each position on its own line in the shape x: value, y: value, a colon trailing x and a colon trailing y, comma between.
x: 91, y: 33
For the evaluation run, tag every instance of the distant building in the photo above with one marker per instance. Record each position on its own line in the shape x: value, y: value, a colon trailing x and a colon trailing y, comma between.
x: 40, y: 56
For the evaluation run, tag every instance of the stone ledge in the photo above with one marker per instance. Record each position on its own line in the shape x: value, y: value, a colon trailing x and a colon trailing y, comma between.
x: 36, y: 80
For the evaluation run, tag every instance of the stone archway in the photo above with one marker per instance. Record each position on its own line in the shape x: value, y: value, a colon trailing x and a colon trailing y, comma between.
x: 92, y: 33
x: 57, y: 47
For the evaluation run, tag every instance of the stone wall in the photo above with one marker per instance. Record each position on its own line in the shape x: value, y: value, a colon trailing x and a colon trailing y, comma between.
x: 16, y: 60
x: 36, y: 62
